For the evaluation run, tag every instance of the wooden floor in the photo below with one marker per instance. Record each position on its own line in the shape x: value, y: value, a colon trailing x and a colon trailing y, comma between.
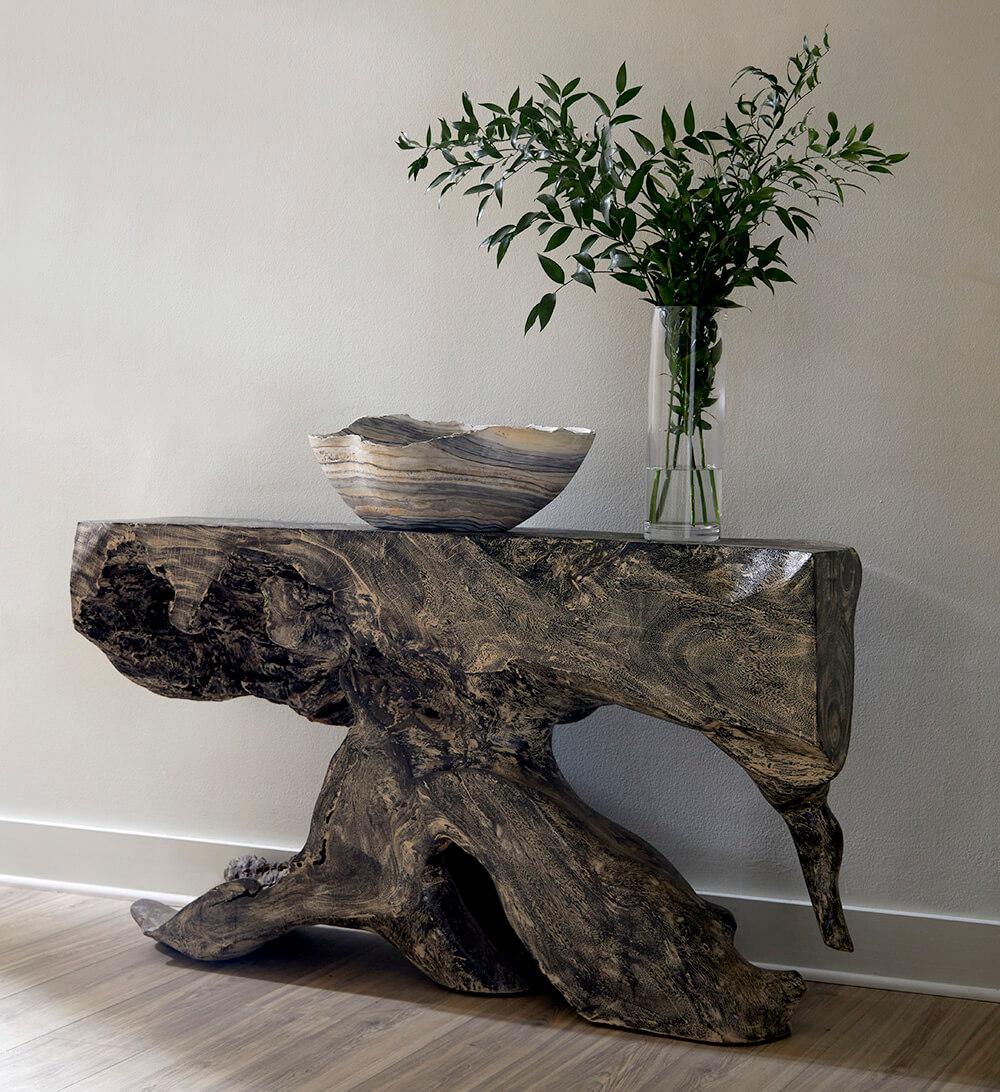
x: 87, y: 1002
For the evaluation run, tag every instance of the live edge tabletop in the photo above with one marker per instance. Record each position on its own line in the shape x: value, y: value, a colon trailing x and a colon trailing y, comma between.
x: 444, y: 823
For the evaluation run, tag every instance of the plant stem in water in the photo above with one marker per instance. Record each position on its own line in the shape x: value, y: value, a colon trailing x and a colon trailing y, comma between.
x: 701, y: 491
x: 666, y: 484
x: 653, y: 496
x: 711, y: 478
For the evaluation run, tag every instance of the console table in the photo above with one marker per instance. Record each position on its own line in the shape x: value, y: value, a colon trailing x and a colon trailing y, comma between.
x: 444, y: 823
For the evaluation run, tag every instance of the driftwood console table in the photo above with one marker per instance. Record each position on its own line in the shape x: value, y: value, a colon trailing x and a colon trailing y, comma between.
x: 444, y: 823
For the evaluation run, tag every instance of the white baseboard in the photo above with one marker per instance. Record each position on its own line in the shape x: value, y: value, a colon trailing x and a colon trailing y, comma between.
x: 99, y: 861
x: 894, y: 949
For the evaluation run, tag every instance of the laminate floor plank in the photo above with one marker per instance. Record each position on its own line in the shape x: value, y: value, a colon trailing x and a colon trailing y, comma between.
x: 61, y: 1002
x: 43, y: 1064
x: 59, y: 938
x: 89, y: 1004
x: 478, y: 1053
x: 331, y: 995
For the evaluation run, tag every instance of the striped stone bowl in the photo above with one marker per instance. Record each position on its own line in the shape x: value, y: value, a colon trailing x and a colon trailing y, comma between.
x: 399, y: 473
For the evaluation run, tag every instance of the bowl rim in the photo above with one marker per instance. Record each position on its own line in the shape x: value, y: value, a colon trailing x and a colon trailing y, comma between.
x: 458, y: 428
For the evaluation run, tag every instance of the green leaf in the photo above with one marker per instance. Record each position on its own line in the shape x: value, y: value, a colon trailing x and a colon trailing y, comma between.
x: 558, y: 237
x: 634, y: 187
x: 546, y: 305
x: 504, y: 232
x: 601, y: 103
x: 437, y: 181
x: 581, y: 276
x: 689, y: 119
x: 551, y: 206
x: 571, y: 86
x: 832, y: 119
x: 482, y: 187
x: 669, y: 130
x: 626, y: 96
x: 532, y: 317
x: 553, y: 269
x: 631, y: 279
x: 550, y: 87
x: 514, y: 100
x: 867, y: 131
x: 630, y: 223
x: 644, y: 142
x: 778, y: 275
x: 622, y: 78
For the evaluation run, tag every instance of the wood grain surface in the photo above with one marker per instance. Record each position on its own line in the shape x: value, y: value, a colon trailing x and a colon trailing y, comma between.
x: 444, y: 823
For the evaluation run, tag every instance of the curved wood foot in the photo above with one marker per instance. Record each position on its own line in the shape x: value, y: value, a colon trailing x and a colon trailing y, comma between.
x: 230, y: 920
x: 149, y: 915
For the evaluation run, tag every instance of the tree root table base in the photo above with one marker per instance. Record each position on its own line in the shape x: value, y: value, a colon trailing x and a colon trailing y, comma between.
x: 444, y: 823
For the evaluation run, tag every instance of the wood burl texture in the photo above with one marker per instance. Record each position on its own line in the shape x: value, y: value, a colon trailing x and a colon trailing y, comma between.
x: 444, y: 823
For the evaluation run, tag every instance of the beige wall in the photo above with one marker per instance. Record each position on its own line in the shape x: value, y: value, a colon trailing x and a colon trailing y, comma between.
x: 208, y: 248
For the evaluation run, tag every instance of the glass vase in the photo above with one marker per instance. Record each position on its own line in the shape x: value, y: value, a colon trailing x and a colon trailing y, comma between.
x: 686, y: 418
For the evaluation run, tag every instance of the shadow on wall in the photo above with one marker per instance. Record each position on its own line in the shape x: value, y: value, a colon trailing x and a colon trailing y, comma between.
x: 921, y: 779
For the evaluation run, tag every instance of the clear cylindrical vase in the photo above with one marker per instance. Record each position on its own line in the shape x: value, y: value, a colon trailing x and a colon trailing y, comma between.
x: 686, y: 418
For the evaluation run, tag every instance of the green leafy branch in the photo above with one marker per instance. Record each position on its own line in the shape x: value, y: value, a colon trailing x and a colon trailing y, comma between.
x: 676, y: 215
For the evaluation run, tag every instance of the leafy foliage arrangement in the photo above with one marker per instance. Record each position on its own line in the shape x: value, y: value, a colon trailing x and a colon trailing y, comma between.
x: 678, y: 217
x: 675, y: 216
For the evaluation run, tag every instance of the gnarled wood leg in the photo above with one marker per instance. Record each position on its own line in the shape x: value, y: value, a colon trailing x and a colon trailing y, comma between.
x: 613, y: 925
x: 795, y: 783
x: 369, y: 862
x: 485, y: 869
x: 819, y: 843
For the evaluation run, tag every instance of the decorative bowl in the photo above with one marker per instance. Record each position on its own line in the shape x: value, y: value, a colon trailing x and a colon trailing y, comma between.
x: 399, y: 473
